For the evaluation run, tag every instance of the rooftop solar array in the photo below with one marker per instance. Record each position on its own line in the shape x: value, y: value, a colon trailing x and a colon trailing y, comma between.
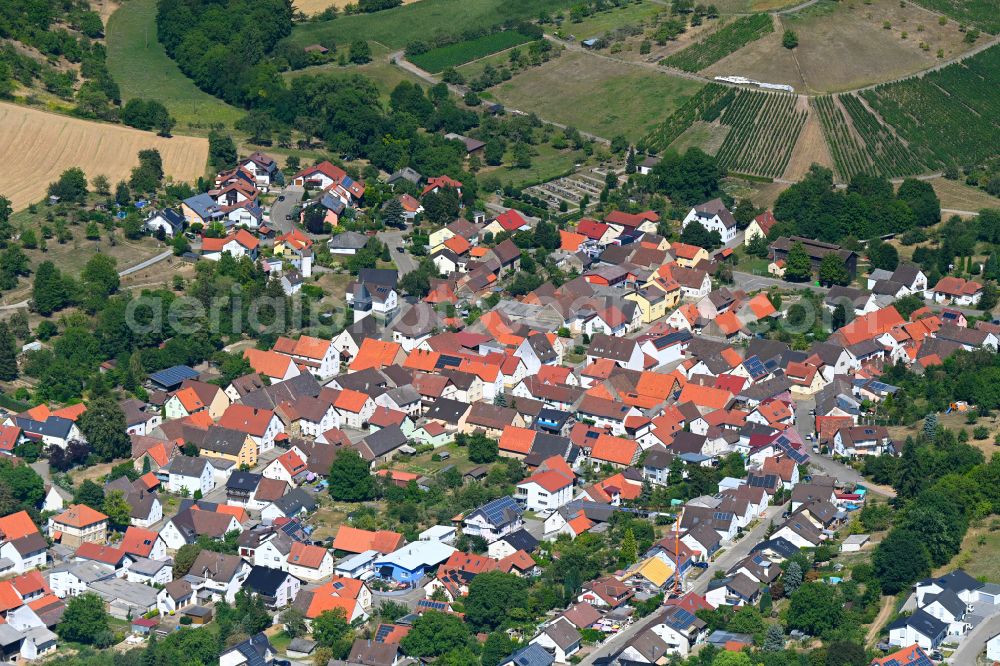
x: 496, y: 512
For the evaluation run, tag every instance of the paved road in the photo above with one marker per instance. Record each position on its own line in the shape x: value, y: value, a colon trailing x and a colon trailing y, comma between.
x: 145, y: 264
x: 827, y: 466
x: 405, y: 261
x: 975, y: 642
x: 279, y: 209
x: 731, y: 556
x: 751, y: 282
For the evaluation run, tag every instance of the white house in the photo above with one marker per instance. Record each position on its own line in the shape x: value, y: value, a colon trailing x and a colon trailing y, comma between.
x: 921, y: 628
x: 544, y: 491
x: 494, y: 519
x: 560, y: 638
x: 714, y: 216
x: 309, y: 562
x: 192, y: 474
x: 993, y: 649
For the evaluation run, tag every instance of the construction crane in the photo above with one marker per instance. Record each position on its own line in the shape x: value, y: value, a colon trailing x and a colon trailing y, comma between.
x: 677, y: 553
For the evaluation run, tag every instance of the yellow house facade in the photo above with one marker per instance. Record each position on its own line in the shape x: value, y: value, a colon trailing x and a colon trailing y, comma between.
x: 437, y: 238
x: 230, y: 445
x: 653, y: 303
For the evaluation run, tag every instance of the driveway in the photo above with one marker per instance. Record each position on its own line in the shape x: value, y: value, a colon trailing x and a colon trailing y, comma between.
x: 732, y: 554
x: 404, y: 260
x: 279, y: 209
x: 975, y: 642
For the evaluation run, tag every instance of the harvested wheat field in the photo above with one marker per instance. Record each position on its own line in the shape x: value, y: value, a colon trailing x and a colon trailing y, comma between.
x: 41, y: 145
x: 313, y: 7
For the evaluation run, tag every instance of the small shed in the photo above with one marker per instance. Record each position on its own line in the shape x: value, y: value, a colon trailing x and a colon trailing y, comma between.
x: 198, y: 614
x: 316, y: 48
x: 854, y: 543
x: 142, y: 626
x: 300, y: 648
x: 476, y: 473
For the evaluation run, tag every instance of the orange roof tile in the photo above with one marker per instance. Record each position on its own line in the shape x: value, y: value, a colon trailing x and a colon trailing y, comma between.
x: 458, y: 245
x: 570, y: 241
x: 375, y: 354
x: 761, y: 306
x: 269, y: 363
x: 731, y: 356
x: 869, y: 325
x: 189, y: 399
x: 420, y: 359
x: 550, y: 480
x: 71, y: 412
x: 705, y: 396
x: 9, y: 598
x: 728, y: 323
x: 306, y: 555
x: 100, y: 553
x: 29, y: 583
x: 614, y: 449
x: 580, y: 524
x: 686, y: 251
x: 16, y: 525
x: 553, y: 374
x: 353, y: 540
x: 351, y: 400
x: 200, y: 419
x: 139, y: 541
x: 79, y: 515
x: 656, y: 385
x: 246, y: 419
x: 517, y: 440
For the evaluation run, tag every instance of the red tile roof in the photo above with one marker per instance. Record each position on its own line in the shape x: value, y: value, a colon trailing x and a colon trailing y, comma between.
x: 244, y: 418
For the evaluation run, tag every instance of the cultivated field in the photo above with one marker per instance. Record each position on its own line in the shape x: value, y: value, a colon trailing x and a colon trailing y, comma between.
x: 722, y: 42
x: 957, y: 195
x: 951, y: 116
x: 980, y: 13
x: 47, y: 144
x: 142, y: 68
x: 421, y: 20
x: 763, y: 128
x: 597, y: 95
x: 459, y: 53
x: 844, y: 45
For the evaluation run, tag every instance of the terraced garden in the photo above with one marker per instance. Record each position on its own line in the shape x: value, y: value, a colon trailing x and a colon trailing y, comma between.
x: 722, y: 42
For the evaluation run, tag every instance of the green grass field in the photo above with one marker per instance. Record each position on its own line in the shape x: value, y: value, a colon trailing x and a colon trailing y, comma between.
x: 549, y: 163
x: 422, y: 20
x: 597, y: 95
x: 142, y: 68
x: 598, y: 24
x: 441, y: 58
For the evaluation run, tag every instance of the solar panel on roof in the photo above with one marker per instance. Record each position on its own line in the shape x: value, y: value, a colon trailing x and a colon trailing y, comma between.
x: 684, y: 616
x: 433, y: 605
x: 383, y: 631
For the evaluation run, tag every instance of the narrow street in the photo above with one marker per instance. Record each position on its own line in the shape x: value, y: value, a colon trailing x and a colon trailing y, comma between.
x: 732, y: 554
x: 281, y: 208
